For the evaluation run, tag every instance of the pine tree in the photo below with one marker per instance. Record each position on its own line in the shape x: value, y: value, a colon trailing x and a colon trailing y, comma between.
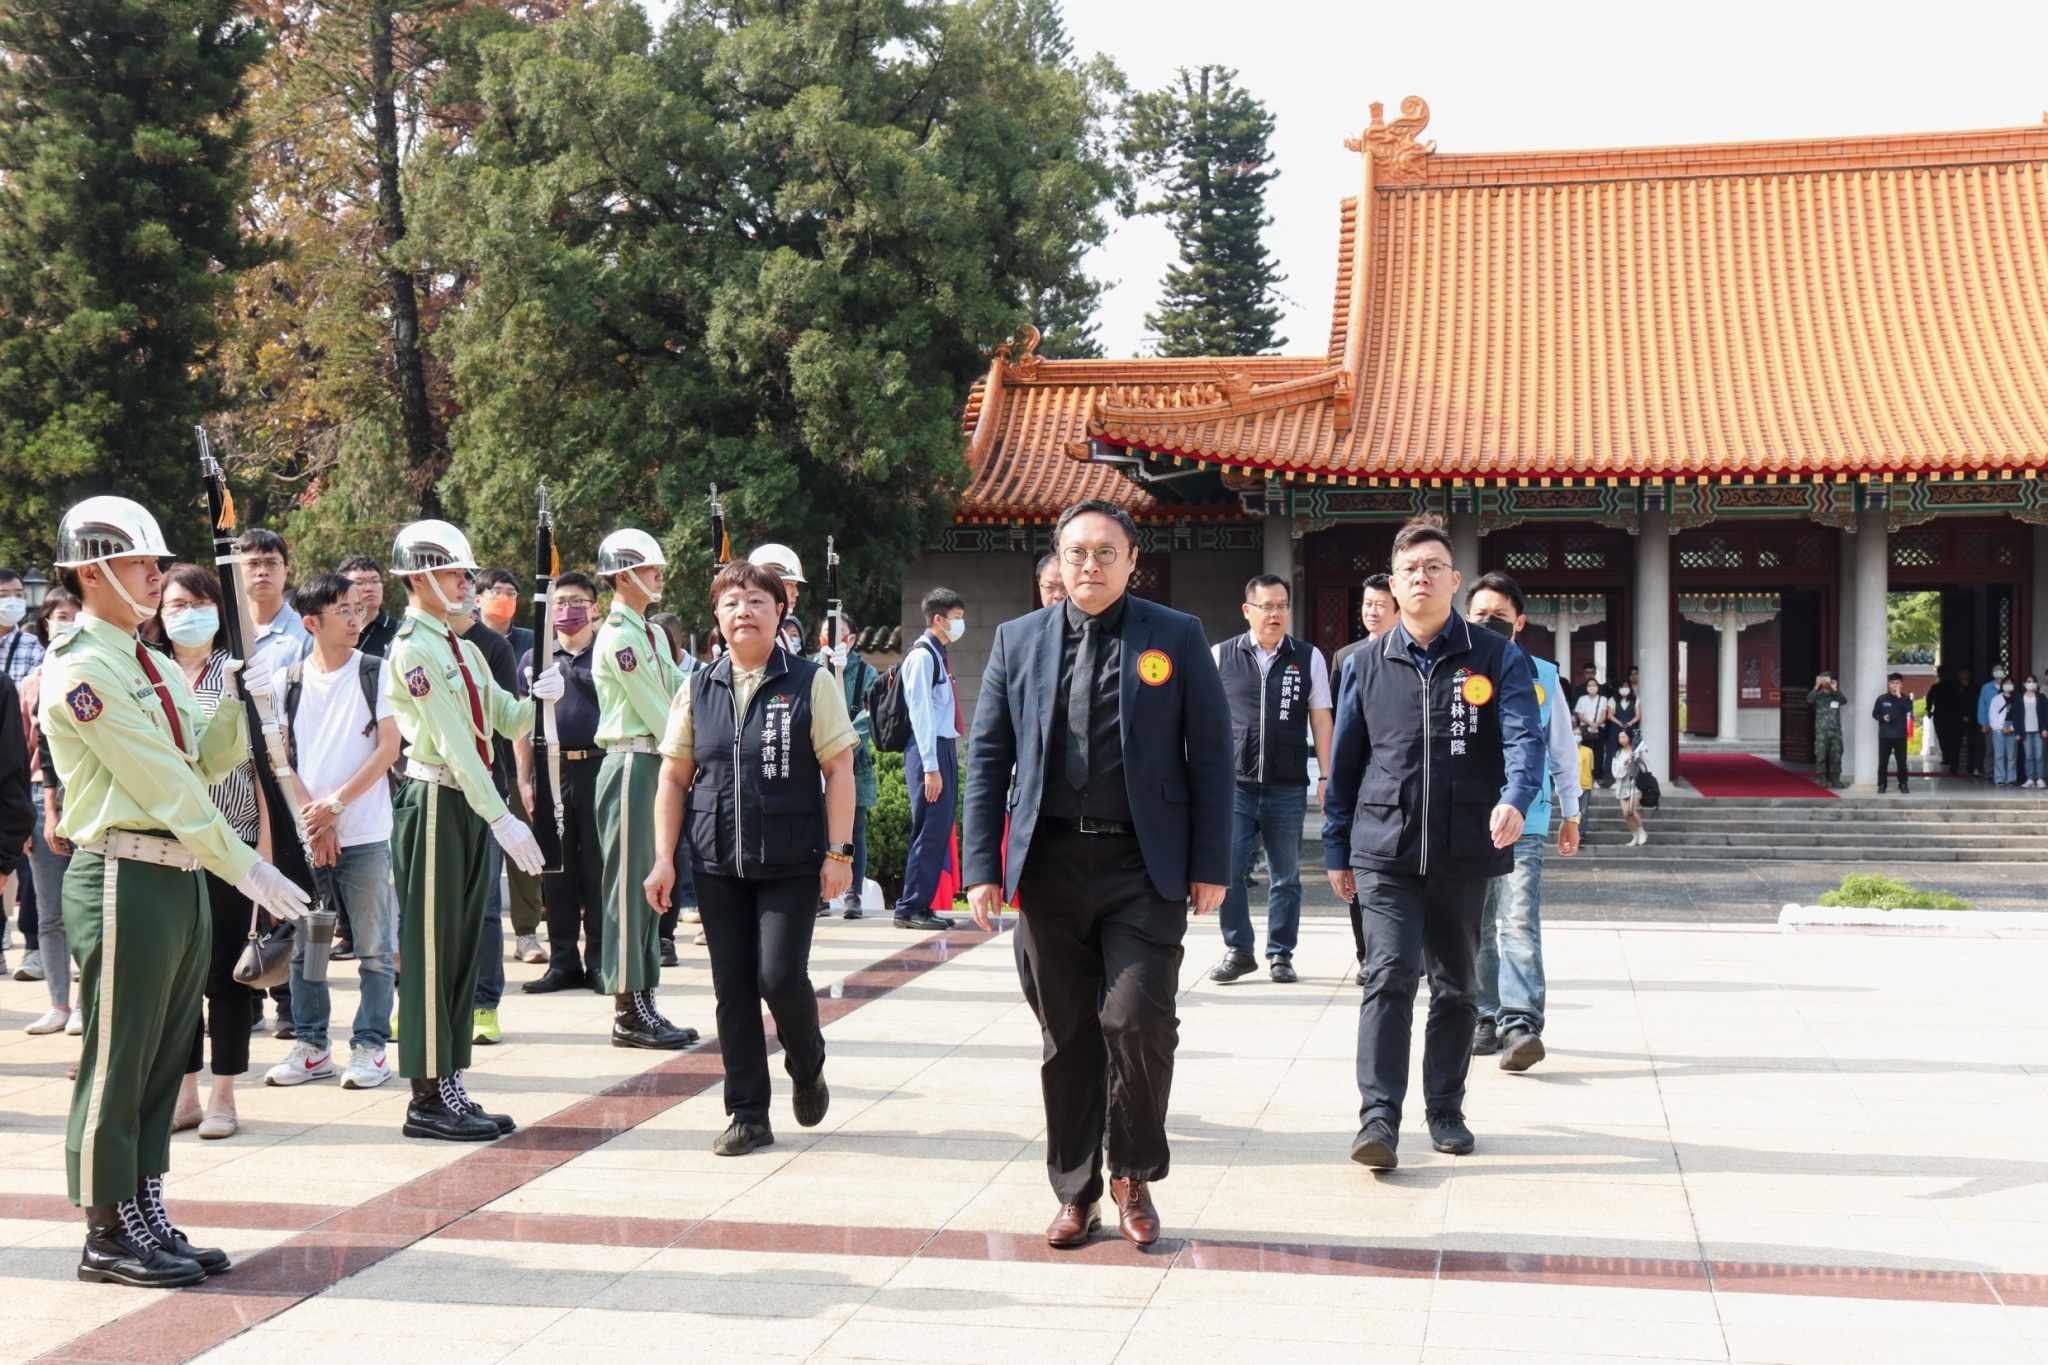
x: 1202, y: 143
x: 122, y: 153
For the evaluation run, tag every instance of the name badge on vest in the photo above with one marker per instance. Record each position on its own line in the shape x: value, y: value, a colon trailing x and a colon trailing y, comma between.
x: 775, y: 736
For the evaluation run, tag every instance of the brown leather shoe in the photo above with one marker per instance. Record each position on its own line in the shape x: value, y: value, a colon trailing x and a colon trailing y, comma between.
x: 1073, y: 1225
x: 1135, y: 1216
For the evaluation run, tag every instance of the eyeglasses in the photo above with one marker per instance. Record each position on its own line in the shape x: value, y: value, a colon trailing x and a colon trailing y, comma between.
x: 1270, y: 608
x: 344, y: 612
x: 1103, y: 554
x: 500, y: 590
x: 1415, y: 573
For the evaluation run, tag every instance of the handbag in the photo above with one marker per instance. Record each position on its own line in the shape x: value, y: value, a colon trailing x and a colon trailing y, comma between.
x: 266, y: 958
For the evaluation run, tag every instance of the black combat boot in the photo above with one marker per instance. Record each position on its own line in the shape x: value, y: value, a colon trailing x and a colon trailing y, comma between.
x: 120, y: 1250
x: 431, y: 1116
x: 456, y: 1096
x: 636, y: 1023
x: 212, y: 1260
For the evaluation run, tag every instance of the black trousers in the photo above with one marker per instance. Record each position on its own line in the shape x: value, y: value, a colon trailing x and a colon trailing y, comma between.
x: 574, y: 897
x: 1975, y: 743
x: 1886, y: 748
x: 1357, y: 927
x: 230, y: 1006
x: 759, y: 937
x: 1104, y: 953
x: 1948, y: 732
x: 1411, y: 922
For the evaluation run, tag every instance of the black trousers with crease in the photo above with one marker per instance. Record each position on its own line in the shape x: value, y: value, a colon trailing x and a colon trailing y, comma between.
x: 1412, y: 923
x: 1101, y: 953
x: 574, y: 897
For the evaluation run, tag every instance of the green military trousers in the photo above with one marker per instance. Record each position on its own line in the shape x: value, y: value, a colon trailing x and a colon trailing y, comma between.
x: 439, y: 859
x: 142, y: 936
x: 1827, y: 756
x: 625, y: 824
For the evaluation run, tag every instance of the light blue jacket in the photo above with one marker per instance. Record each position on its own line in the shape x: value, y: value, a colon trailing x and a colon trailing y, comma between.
x: 1563, y: 749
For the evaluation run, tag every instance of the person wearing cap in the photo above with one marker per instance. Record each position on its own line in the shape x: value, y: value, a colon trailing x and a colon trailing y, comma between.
x: 134, y: 753
x: 448, y: 707
x: 637, y: 678
x: 786, y: 566
x: 1826, y: 701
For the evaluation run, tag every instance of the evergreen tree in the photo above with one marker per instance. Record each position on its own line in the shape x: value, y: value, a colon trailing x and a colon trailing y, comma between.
x: 1202, y: 144
x: 122, y: 152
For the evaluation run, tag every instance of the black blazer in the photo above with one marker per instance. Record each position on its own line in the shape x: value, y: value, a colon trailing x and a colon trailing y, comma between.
x: 1176, y: 738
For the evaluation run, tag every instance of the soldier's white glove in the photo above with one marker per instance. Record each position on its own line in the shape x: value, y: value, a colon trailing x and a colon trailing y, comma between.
x: 550, y: 685
x: 834, y: 656
x: 258, y: 680
x: 518, y: 842
x: 273, y: 891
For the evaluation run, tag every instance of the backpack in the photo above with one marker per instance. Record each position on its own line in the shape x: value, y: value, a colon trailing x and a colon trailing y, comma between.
x: 369, y: 667
x: 1647, y: 790
x: 889, y: 710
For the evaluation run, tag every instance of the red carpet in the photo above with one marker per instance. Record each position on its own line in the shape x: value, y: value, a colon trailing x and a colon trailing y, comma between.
x: 1744, y: 775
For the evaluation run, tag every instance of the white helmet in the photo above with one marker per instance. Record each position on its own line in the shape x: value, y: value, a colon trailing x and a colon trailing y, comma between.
x: 107, y: 527
x: 780, y: 558
x: 629, y: 549
x: 428, y: 545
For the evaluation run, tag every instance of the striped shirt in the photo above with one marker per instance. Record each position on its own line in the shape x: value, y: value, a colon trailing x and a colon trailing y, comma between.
x: 235, y: 794
x: 20, y: 654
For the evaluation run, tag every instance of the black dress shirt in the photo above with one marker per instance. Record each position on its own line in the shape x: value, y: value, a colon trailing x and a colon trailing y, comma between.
x: 376, y: 637
x: 1106, y: 796
x: 576, y: 714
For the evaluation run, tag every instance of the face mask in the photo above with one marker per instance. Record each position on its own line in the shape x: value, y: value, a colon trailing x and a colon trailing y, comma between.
x: 12, y: 609
x: 2007, y: 689
x: 1997, y: 673
x: 571, y: 620
x: 2033, y: 687
x: 501, y: 608
x: 955, y: 628
x: 193, y: 627
x: 1505, y: 629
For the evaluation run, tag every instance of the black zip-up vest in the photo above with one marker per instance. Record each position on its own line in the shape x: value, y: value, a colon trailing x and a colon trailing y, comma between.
x: 757, y: 805
x: 1268, y: 715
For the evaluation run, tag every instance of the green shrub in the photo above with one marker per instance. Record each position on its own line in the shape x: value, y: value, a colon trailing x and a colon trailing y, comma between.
x: 889, y: 823
x: 1864, y: 889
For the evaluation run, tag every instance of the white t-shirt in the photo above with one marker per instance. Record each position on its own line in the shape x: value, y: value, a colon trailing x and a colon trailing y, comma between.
x: 1592, y: 710
x: 332, y: 747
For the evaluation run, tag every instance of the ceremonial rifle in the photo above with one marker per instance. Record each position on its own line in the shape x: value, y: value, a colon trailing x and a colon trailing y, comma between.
x: 547, y: 744
x: 721, y: 555
x: 283, y: 795
x: 835, y: 624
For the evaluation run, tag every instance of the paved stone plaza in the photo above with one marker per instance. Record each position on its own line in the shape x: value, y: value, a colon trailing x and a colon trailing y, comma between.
x: 1745, y: 1145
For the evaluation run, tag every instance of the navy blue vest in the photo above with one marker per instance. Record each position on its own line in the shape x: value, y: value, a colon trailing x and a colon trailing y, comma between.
x: 757, y: 806
x: 1268, y: 715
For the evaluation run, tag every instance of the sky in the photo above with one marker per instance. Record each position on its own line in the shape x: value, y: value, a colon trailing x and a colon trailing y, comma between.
x: 1544, y: 74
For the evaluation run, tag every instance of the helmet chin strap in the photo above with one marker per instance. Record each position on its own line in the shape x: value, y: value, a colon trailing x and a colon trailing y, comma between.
x: 106, y: 567
x: 634, y: 574
x: 451, y: 608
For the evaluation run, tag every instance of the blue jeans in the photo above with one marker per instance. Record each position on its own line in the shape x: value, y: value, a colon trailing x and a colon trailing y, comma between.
x: 47, y: 866
x: 931, y: 828
x: 860, y: 851
x: 2034, y: 746
x: 2004, y: 757
x: 362, y: 877
x: 490, y: 967
x: 1272, y: 815
x: 1510, y: 985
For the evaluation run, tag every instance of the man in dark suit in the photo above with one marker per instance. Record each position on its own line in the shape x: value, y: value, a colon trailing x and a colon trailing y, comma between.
x: 1103, y: 732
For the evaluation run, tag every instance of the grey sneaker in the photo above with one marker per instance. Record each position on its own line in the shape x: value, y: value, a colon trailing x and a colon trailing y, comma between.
x: 367, y: 1068
x: 528, y: 949
x: 31, y: 968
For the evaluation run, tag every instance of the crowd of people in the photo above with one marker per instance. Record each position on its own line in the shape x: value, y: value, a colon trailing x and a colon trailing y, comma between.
x: 1119, y: 771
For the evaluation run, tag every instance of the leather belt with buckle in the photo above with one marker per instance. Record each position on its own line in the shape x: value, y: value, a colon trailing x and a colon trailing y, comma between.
x: 122, y: 845
x: 574, y: 755
x: 1088, y: 824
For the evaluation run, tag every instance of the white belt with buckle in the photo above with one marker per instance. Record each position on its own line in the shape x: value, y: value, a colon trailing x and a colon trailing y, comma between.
x: 126, y: 846
x: 430, y: 772
x: 639, y: 744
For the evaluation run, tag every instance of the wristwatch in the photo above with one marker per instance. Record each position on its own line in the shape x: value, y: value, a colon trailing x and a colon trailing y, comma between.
x: 335, y: 803
x: 839, y: 852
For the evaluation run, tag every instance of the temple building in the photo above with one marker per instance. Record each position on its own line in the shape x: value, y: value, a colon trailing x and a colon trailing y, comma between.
x: 1707, y: 404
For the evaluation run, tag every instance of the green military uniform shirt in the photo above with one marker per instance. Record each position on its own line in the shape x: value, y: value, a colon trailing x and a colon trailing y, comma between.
x: 1827, y: 710
x: 116, y: 756
x: 636, y: 679
x: 431, y: 705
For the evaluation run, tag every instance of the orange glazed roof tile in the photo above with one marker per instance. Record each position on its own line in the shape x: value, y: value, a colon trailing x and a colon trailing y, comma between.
x: 1814, y: 307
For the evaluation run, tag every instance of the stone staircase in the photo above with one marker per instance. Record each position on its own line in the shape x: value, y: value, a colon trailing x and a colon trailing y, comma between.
x: 1920, y: 827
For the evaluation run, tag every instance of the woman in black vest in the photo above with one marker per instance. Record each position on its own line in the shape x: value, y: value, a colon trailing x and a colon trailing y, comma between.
x: 759, y: 755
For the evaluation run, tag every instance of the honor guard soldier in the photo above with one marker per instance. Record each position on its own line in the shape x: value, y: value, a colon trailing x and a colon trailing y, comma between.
x: 135, y: 753
x: 637, y: 679
x: 447, y: 708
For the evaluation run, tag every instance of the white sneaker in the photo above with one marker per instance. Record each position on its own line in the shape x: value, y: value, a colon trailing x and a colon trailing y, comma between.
x: 303, y: 1063
x: 528, y: 949
x: 31, y: 968
x: 76, y: 1026
x: 690, y: 915
x: 367, y: 1069
x: 54, y: 1020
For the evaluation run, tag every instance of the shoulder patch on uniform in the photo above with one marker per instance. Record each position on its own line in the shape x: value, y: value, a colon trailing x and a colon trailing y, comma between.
x: 416, y: 682
x: 626, y: 659
x: 405, y: 630
x: 1154, y: 667
x: 85, y: 703
x: 617, y: 618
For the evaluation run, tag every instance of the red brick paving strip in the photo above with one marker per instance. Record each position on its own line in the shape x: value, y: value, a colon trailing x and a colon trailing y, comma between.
x: 336, y: 1243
